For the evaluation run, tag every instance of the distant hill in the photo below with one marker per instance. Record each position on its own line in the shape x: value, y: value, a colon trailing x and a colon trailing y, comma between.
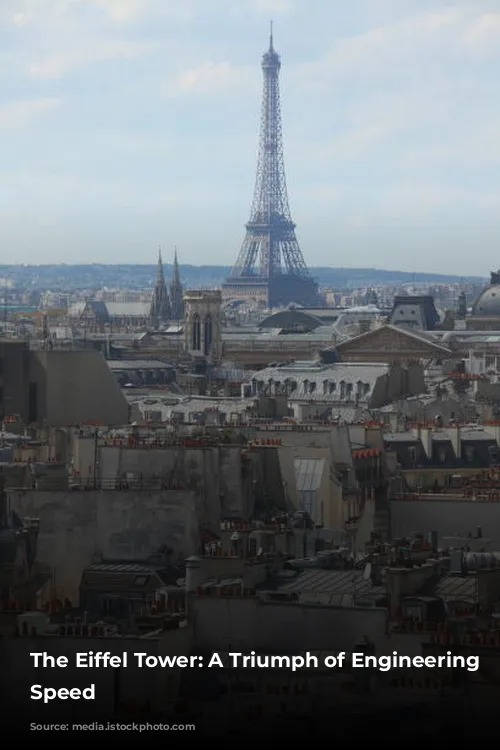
x: 94, y: 276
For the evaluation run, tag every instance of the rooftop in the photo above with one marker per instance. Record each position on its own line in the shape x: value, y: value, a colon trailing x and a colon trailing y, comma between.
x: 339, y: 588
x: 138, y: 364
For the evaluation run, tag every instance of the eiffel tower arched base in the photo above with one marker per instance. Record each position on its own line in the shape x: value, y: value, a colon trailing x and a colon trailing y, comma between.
x: 279, y: 291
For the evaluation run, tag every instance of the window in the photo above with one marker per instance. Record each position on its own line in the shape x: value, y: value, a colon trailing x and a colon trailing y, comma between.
x: 207, y: 343
x: 470, y: 454
x: 141, y: 580
x: 196, y: 333
x: 413, y: 611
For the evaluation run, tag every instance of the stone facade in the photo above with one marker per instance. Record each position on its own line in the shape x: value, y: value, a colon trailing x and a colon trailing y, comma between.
x: 392, y: 345
x: 202, y: 323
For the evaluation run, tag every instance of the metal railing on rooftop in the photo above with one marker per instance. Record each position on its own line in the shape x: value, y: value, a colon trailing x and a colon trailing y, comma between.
x: 490, y: 497
x: 87, y: 483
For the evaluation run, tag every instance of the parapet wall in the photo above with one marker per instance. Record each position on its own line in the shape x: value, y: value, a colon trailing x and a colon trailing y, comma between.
x: 447, y: 517
x: 80, y: 528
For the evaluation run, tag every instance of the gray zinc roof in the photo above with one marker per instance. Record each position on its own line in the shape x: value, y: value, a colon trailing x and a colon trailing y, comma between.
x: 333, y: 587
x: 128, y: 309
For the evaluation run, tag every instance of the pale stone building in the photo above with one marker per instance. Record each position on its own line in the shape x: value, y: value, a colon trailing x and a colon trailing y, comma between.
x: 202, y: 323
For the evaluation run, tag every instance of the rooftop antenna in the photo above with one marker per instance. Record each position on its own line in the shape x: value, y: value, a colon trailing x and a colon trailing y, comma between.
x: 271, y: 35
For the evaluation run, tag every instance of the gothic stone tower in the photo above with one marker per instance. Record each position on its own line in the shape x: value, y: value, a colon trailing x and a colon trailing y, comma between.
x: 202, y: 324
x: 270, y: 266
x: 160, y: 305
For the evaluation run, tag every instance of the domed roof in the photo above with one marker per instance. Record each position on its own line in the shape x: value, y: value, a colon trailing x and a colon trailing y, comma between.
x: 292, y: 320
x: 487, y: 304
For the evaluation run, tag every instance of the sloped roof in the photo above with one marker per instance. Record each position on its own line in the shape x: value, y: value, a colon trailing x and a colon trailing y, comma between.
x: 128, y: 309
x: 127, y: 576
x: 419, y: 336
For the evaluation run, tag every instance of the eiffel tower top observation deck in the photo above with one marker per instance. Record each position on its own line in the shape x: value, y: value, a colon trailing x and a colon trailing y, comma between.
x: 270, y: 266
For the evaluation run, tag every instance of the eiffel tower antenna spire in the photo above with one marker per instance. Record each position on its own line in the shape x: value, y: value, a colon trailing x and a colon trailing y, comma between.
x: 270, y: 266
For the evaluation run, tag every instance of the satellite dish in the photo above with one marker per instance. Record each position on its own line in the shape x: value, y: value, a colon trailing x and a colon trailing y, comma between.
x: 367, y: 571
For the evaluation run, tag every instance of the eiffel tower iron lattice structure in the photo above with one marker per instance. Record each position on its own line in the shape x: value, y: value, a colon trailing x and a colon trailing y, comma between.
x: 270, y: 266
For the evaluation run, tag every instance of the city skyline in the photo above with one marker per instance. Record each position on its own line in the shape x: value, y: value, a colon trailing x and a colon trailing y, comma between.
x: 128, y: 123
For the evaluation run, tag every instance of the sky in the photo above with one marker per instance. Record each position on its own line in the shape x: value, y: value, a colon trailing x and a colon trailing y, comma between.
x: 126, y: 124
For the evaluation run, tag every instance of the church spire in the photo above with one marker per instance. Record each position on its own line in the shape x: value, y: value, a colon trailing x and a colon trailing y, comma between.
x: 176, y: 291
x: 159, y: 269
x: 160, y: 304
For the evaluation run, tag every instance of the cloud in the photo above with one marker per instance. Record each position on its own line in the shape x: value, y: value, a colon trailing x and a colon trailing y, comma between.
x: 20, y: 113
x: 141, y: 144
x: 56, y: 37
x: 273, y: 7
x: 72, y: 58
x: 212, y: 79
x: 412, y: 96
x: 483, y: 33
x: 26, y: 12
x: 123, y: 10
x: 385, y: 49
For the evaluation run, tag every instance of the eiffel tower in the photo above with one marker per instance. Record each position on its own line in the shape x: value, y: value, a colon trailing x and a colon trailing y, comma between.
x: 270, y: 267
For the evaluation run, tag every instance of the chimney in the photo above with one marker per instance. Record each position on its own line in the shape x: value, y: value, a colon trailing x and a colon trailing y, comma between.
x: 235, y: 544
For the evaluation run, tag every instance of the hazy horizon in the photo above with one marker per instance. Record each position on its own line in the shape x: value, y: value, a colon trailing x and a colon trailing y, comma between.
x: 131, y: 123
